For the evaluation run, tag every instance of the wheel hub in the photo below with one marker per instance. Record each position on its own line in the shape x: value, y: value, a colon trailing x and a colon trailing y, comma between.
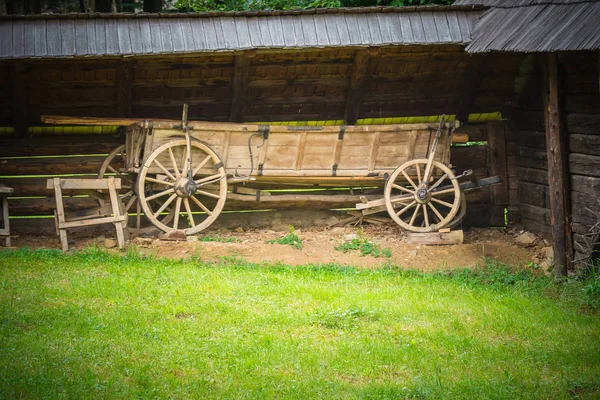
x: 422, y: 195
x: 185, y: 187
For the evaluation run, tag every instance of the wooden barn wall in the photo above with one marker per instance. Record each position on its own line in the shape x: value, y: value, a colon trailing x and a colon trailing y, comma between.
x: 581, y: 105
x: 276, y: 86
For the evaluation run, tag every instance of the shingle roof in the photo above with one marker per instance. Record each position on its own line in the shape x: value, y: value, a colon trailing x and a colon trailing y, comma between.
x: 536, y: 25
x: 94, y: 35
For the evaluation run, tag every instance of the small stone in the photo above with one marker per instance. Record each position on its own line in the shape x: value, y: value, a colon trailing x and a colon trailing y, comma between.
x: 109, y: 243
x: 548, y: 254
x: 525, y: 239
x: 271, y: 232
x: 332, y: 220
x: 350, y: 237
x: 192, y: 238
x: 239, y: 229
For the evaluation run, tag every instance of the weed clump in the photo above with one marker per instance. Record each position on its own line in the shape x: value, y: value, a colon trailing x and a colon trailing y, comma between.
x: 291, y: 239
x: 365, y: 246
x: 219, y: 239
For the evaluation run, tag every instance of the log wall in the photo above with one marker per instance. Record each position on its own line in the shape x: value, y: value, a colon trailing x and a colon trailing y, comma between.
x: 581, y: 106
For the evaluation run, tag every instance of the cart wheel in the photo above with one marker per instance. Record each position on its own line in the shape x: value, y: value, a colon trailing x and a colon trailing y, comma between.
x: 112, y: 165
x: 163, y: 181
x: 419, y: 206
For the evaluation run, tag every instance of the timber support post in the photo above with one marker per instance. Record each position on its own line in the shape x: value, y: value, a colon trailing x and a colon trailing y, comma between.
x: 558, y: 173
x: 124, y: 89
x: 474, y: 75
x: 359, y: 69
x: 241, y: 69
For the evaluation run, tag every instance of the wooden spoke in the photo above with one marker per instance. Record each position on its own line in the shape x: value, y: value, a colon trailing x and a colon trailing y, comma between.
x: 186, y: 162
x: 166, y: 183
x: 399, y: 213
x: 425, y: 215
x: 441, y: 192
x: 174, y: 162
x: 163, y: 169
x: 177, y: 210
x: 436, y: 212
x: 414, y: 216
x: 186, y: 203
x: 442, y: 202
x: 418, y: 173
x: 130, y: 203
x: 409, y: 179
x: 438, y: 182
x: 402, y: 188
x: 164, y: 205
x: 208, y: 179
x: 202, y: 206
x: 114, y: 171
x: 160, y: 194
x: 202, y: 164
x: 208, y: 194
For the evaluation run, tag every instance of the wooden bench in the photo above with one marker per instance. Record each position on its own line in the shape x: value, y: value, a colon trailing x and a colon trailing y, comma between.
x: 5, y: 191
x: 94, y: 187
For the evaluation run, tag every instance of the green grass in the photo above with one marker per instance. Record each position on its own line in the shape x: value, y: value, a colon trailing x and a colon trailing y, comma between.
x: 365, y: 246
x: 290, y: 239
x: 96, y: 325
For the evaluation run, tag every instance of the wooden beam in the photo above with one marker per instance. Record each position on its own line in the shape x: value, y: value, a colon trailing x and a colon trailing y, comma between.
x: 19, y: 99
x: 473, y: 76
x: 361, y: 62
x: 558, y: 173
x: 241, y: 68
x: 124, y: 91
x: 497, y: 161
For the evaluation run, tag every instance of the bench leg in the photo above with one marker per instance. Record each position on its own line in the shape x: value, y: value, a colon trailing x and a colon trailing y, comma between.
x: 60, y: 213
x: 6, y: 226
x: 122, y: 233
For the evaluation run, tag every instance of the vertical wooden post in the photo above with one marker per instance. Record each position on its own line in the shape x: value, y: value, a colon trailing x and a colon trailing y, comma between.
x: 359, y: 69
x: 498, y: 167
x: 558, y: 173
x: 20, y: 101
x: 472, y: 80
x: 241, y: 68
x: 124, y: 90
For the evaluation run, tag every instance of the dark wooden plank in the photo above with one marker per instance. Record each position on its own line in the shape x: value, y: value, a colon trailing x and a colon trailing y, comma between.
x: 41, y: 44
x: 361, y: 62
x: 533, y: 175
x: 241, y: 70
x: 469, y: 157
x: 498, y: 162
x: 585, y: 144
x: 584, y: 164
x: 81, y: 38
x: 124, y: 89
x: 557, y: 166
x: 51, y: 166
x: 67, y: 33
x: 6, y: 41
x: 59, y: 145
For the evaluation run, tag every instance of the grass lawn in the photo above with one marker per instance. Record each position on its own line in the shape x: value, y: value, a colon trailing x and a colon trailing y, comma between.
x: 94, y: 325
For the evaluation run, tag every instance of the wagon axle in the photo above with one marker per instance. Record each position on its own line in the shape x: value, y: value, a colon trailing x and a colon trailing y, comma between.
x: 185, y: 187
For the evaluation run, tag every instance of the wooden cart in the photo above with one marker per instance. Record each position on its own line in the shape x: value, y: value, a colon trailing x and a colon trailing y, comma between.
x: 181, y: 172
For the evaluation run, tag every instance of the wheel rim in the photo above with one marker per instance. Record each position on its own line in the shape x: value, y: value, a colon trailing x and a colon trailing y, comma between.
x: 111, y: 165
x: 161, y: 183
x: 417, y: 206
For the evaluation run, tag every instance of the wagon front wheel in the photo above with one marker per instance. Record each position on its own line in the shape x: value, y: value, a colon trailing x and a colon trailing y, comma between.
x: 164, y: 183
x: 420, y: 206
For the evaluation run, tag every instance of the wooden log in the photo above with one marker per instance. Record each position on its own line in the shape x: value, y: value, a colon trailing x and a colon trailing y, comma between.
x: 585, y: 144
x: 584, y: 164
x: 51, y: 166
x: 435, y: 238
x: 557, y: 166
x: 497, y: 161
x: 60, y: 145
x: 469, y: 157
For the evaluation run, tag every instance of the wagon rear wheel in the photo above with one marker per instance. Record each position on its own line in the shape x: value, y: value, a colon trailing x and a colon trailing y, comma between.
x: 163, y: 182
x: 419, y: 206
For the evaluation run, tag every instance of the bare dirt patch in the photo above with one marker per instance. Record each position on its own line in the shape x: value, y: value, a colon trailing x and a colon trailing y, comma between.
x: 319, y: 248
